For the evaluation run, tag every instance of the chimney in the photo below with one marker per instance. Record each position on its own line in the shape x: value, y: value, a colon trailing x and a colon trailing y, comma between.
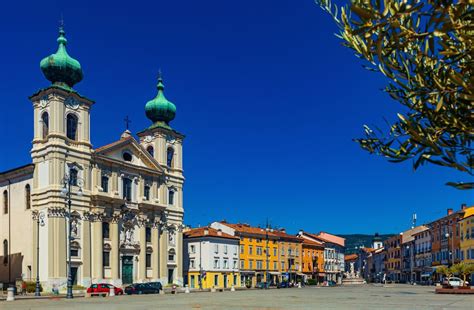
x: 450, y: 211
x: 300, y: 232
x: 283, y: 230
x: 219, y: 232
x: 206, y: 231
x: 463, y: 206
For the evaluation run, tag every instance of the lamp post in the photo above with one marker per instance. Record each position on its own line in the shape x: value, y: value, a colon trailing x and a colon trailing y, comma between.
x: 39, y: 216
x: 452, y: 247
x: 267, y: 230
x: 69, y: 181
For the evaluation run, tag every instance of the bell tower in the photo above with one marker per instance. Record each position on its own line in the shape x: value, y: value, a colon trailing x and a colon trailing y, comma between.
x: 166, y: 146
x: 60, y: 147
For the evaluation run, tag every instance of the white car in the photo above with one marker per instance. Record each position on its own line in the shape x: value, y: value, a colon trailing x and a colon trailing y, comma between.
x: 453, y: 281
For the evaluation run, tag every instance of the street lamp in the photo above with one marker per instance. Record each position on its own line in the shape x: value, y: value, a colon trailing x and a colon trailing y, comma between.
x: 267, y: 230
x: 68, y: 181
x: 447, y: 235
x: 39, y: 216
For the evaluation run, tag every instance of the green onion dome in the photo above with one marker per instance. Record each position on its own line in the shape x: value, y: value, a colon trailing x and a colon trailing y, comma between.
x: 60, y: 68
x: 160, y: 109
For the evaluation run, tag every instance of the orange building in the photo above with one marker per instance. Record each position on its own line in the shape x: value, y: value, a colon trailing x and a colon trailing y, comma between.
x: 393, y: 262
x: 313, y: 260
x: 290, y: 256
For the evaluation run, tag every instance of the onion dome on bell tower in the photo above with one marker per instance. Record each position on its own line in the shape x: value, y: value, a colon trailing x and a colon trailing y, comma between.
x: 60, y: 68
x: 160, y: 110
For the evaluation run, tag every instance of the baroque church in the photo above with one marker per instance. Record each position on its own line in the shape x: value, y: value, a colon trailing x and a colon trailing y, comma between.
x: 126, y: 197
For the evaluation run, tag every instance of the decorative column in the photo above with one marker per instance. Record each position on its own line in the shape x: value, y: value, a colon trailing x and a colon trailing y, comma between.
x: 179, y: 255
x: 142, y: 255
x: 97, y: 248
x: 86, y: 249
x: 115, y: 251
x: 163, y: 255
x: 155, y: 256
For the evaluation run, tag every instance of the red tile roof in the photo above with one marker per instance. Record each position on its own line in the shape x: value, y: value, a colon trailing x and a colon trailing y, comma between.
x: 350, y: 257
x: 247, y: 229
x: 211, y: 232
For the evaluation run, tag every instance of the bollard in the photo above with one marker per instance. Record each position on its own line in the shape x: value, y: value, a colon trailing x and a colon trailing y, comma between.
x: 213, y: 289
x: 186, y: 289
x: 299, y: 284
x: 232, y: 288
x: 112, y: 291
x: 11, y: 294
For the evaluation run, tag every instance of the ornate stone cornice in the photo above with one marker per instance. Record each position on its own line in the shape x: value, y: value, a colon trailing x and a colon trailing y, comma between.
x: 57, y: 212
x: 94, y: 216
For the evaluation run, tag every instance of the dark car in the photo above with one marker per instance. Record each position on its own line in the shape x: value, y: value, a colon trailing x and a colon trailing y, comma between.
x: 141, y: 288
x: 156, y: 285
x: 103, y: 288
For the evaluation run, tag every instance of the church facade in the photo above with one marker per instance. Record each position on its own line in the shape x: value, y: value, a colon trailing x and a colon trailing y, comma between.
x: 126, y: 197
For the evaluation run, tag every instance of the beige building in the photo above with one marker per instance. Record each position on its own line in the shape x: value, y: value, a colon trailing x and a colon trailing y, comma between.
x: 126, y: 197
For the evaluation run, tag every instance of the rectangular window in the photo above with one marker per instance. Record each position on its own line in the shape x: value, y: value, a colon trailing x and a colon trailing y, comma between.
x: 275, y: 267
x: 274, y: 251
x: 241, y: 249
x: 106, y: 259
x: 225, y: 249
x: 235, y: 264
x: 146, y: 192
x: 259, y: 250
x: 250, y: 250
x: 171, y: 197
x: 216, y: 280
x: 192, y: 249
x: 282, y: 265
x: 148, y: 260
x: 216, y: 248
x: 242, y: 264
x: 235, y: 279
x: 192, y: 281
x: 105, y: 230
x: 216, y: 263
x: 259, y: 264
x: 250, y: 264
x: 226, y: 264
x: 74, y: 252
x: 191, y: 264
x: 105, y: 184
x: 148, y: 234
x: 127, y: 189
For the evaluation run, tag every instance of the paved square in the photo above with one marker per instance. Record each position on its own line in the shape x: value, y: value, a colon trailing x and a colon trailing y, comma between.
x: 356, y: 297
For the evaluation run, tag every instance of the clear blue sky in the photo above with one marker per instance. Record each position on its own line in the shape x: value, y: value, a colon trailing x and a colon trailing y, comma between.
x: 268, y: 98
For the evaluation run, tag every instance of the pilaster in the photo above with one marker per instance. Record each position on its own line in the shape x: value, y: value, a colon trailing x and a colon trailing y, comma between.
x: 155, y: 263
x: 142, y: 255
x: 114, y: 253
x: 97, y: 246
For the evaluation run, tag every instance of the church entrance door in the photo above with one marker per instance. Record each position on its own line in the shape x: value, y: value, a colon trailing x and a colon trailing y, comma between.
x: 127, y: 269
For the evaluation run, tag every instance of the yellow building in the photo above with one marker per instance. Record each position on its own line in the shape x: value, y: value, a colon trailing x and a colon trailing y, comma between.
x: 257, y: 247
x: 211, y: 259
x: 466, y: 227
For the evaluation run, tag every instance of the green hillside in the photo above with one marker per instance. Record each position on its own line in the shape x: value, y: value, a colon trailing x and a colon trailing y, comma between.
x: 357, y: 240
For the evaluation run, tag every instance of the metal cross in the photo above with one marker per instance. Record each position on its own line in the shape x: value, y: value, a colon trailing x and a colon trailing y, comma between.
x: 61, y: 21
x: 127, y: 122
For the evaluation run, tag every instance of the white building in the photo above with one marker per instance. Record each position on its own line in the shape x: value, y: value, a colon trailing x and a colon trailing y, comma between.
x: 126, y: 197
x: 211, y: 258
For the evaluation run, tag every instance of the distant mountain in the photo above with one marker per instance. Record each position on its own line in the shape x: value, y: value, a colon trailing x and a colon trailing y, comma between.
x: 358, y: 240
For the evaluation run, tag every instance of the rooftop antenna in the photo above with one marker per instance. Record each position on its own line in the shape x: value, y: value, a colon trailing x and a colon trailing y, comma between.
x: 127, y: 122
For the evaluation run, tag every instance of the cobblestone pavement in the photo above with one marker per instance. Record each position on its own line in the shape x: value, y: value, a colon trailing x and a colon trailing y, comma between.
x: 349, y: 297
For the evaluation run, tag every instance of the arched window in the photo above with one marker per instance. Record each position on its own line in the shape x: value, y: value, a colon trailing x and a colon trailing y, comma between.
x: 45, y: 121
x: 5, y: 202
x: 28, y: 196
x: 71, y: 126
x: 170, y: 157
x: 73, y: 176
x: 150, y: 150
x: 5, y: 251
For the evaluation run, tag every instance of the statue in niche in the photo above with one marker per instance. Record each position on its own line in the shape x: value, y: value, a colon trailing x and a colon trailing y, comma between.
x: 172, y: 237
x: 74, y: 226
x: 129, y: 235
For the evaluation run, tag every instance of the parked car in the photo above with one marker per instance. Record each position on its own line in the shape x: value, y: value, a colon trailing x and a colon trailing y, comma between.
x: 454, y: 281
x: 156, y: 285
x: 104, y: 288
x: 141, y: 288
